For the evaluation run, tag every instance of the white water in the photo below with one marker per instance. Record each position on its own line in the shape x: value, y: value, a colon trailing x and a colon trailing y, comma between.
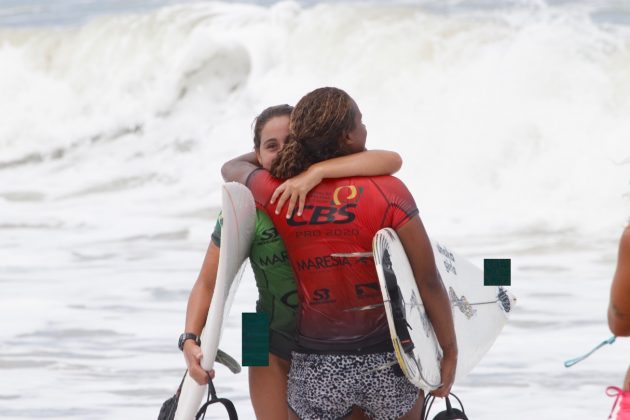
x: 512, y: 124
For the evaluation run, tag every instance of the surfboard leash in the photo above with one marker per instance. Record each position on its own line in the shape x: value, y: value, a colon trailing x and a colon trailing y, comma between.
x: 169, y: 407
x: 212, y: 399
x: 572, y: 362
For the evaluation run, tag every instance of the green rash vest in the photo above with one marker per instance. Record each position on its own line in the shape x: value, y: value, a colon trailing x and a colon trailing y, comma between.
x: 277, y: 295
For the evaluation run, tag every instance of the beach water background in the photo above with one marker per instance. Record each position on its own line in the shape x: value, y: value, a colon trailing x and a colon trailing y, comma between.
x: 512, y: 118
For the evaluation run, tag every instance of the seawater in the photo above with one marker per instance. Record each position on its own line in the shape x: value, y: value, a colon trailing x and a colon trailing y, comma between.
x: 115, y: 118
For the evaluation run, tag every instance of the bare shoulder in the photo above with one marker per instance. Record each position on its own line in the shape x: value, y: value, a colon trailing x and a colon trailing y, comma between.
x: 240, y: 168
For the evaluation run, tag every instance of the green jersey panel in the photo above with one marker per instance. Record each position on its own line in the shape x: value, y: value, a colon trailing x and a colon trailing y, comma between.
x: 277, y: 294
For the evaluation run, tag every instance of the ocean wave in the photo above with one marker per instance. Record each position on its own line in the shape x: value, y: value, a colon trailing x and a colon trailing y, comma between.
x: 507, y: 116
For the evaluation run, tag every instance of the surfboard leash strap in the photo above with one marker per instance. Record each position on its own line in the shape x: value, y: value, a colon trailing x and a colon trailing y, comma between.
x: 572, y: 362
x: 449, y: 414
x: 169, y: 407
x: 227, y: 361
x: 211, y: 399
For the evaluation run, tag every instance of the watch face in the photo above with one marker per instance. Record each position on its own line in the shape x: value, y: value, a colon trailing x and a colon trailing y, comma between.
x: 184, y: 337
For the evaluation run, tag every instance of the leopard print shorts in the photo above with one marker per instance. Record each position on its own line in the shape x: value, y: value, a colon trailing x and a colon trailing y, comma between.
x: 326, y: 386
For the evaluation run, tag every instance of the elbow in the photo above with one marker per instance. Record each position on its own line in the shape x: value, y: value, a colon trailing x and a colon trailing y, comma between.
x: 434, y: 282
x: 397, y: 160
x: 225, y: 171
x: 619, y: 329
x: 450, y: 349
x: 619, y: 325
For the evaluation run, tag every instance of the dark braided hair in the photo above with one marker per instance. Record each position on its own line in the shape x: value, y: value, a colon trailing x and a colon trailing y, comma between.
x: 319, y: 123
x: 265, y: 116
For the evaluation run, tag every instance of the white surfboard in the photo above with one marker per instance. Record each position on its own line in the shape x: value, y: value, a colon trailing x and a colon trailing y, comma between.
x: 239, y: 220
x: 479, y: 312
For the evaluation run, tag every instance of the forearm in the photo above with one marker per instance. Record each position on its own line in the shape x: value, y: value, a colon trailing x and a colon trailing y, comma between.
x: 201, y: 293
x: 438, y: 307
x: 368, y: 163
x: 432, y: 292
x: 618, y: 322
x: 197, y: 309
x: 239, y: 168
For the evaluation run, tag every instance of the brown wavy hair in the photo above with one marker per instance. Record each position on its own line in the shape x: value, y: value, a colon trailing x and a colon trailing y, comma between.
x: 265, y: 116
x: 317, y: 129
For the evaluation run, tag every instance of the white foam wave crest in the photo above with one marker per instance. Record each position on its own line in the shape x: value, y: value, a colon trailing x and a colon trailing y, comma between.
x: 512, y: 120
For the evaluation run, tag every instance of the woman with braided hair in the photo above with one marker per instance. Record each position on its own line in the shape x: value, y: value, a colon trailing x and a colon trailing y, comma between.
x: 344, y: 355
x: 274, y: 277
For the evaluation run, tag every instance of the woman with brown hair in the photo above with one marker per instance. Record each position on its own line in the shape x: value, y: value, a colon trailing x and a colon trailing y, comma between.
x: 274, y: 277
x: 345, y: 357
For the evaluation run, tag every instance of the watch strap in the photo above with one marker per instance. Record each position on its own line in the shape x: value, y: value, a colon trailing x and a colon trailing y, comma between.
x: 187, y: 336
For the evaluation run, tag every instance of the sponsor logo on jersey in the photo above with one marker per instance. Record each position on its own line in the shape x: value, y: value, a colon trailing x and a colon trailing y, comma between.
x: 268, y: 260
x: 367, y: 290
x: 306, y: 233
x: 321, y: 296
x: 290, y: 299
x: 322, y: 263
x: 346, y: 194
x: 321, y: 215
x: 267, y: 236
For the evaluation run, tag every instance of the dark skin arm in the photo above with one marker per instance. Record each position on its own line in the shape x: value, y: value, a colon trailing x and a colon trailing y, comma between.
x: 619, y: 308
x: 367, y: 163
x: 436, y: 302
x: 293, y: 191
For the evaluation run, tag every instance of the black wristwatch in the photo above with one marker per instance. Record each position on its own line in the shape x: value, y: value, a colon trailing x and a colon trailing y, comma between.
x: 187, y: 336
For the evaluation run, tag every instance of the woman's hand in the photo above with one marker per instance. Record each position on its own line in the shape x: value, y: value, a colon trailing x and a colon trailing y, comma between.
x: 295, y: 191
x: 447, y: 373
x: 193, y: 355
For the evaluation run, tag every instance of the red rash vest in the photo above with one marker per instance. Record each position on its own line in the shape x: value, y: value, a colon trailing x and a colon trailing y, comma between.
x: 336, y: 294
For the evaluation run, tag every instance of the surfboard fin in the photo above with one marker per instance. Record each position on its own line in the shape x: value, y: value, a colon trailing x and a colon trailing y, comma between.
x: 227, y: 361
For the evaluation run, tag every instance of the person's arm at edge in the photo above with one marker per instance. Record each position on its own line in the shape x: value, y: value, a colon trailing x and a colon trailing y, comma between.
x: 618, y: 309
x: 197, y: 311
x: 433, y: 293
x: 367, y: 163
x: 239, y: 168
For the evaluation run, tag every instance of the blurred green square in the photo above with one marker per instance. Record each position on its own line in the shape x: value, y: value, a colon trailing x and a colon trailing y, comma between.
x: 497, y: 272
x: 255, y: 339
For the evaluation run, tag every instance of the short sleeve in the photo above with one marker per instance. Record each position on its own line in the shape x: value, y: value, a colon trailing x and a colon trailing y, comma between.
x: 401, y: 205
x: 262, y: 185
x: 216, y: 234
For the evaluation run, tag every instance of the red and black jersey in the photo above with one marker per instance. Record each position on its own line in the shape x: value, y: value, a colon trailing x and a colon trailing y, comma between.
x: 340, y: 300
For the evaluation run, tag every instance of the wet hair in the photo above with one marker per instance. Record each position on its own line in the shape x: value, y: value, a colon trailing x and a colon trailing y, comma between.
x: 265, y: 116
x: 317, y: 129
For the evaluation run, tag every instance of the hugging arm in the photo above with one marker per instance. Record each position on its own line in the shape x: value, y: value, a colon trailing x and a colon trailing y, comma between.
x: 436, y: 302
x: 239, y: 168
x: 619, y: 308
x: 367, y: 163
